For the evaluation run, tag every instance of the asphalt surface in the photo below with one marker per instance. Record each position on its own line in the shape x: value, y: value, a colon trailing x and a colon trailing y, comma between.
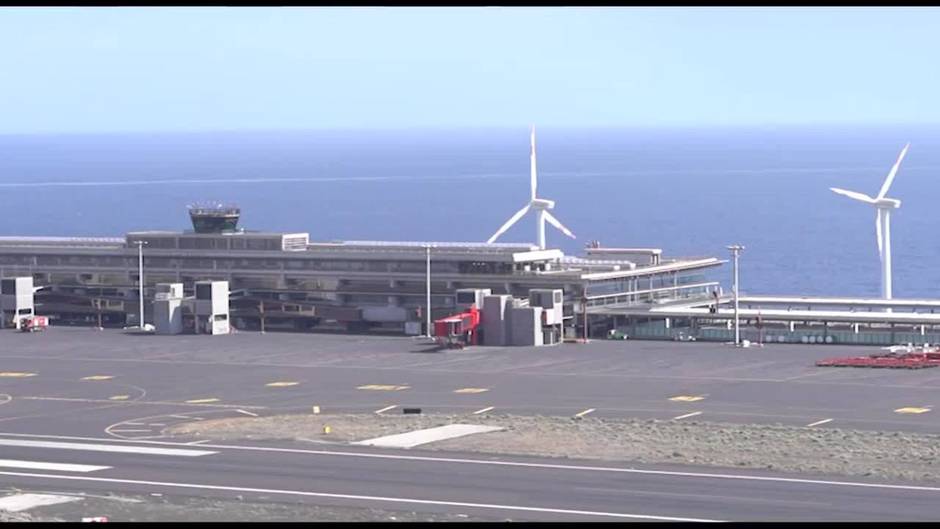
x: 139, y: 385
x: 530, y: 489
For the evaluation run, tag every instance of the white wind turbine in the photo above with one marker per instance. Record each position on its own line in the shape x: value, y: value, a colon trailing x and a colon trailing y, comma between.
x: 535, y: 204
x: 883, y: 207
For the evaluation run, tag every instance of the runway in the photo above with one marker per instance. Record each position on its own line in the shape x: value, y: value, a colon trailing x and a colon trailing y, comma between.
x: 76, y: 385
x: 503, y: 488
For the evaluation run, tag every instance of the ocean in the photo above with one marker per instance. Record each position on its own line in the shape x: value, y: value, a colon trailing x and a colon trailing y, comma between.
x: 690, y: 192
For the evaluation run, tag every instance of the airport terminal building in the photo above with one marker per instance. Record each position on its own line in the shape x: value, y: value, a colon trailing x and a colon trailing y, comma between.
x: 349, y: 285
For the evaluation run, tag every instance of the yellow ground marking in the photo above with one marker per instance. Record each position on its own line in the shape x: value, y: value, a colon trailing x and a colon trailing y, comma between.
x: 98, y: 377
x: 686, y: 398
x: 471, y: 390
x: 912, y: 410
x: 119, y: 397
x: 281, y: 384
x: 383, y: 387
x: 201, y: 401
x: 16, y: 374
x: 583, y: 413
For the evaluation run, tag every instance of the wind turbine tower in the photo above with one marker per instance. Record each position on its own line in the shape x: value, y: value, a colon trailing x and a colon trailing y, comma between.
x: 539, y: 205
x: 883, y: 207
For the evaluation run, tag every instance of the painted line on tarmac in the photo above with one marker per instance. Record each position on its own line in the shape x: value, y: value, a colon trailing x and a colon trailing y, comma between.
x: 484, y: 410
x: 687, y: 415
x: 360, y: 497
x: 281, y: 384
x: 148, y: 402
x: 5, y: 398
x: 585, y: 412
x: 105, y: 448
x: 44, y: 465
x: 552, y: 466
x: 129, y: 431
x: 817, y: 423
x: 471, y: 390
x: 247, y: 413
x: 379, y: 412
x: 202, y: 401
x: 16, y: 374
x: 913, y: 409
x: 98, y: 377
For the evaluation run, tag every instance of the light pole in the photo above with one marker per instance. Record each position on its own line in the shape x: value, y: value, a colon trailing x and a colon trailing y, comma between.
x: 140, y: 278
x: 736, y: 251
x: 428, y: 291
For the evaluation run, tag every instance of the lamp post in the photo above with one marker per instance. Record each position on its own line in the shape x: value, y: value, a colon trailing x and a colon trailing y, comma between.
x: 428, y: 291
x: 735, y: 252
x: 140, y: 278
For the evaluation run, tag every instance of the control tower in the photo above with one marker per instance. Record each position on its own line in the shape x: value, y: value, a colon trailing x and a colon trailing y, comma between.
x: 214, y: 217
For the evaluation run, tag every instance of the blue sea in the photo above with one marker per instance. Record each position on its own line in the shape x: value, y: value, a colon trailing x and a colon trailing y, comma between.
x: 690, y: 192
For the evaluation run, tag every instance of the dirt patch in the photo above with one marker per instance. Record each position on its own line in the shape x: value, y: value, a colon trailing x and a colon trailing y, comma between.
x: 886, y: 455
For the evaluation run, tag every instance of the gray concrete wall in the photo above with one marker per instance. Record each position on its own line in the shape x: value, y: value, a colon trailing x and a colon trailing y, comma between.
x: 495, y: 319
x: 526, y: 328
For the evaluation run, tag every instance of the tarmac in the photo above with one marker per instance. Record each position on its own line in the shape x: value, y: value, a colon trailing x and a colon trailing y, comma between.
x: 70, y: 396
x: 91, y: 382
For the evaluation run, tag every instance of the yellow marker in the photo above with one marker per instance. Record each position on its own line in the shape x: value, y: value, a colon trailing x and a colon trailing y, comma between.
x: 98, y: 377
x: 912, y: 410
x: 316, y: 409
x: 686, y: 398
x: 16, y: 374
x: 471, y: 390
x: 326, y: 429
x: 281, y: 384
x: 201, y: 401
x: 119, y: 397
x: 383, y: 387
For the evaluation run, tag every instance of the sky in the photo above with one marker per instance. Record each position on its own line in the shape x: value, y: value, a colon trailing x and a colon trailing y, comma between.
x: 116, y: 69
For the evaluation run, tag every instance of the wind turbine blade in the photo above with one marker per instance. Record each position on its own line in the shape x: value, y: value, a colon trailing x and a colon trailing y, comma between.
x: 512, y: 220
x: 534, y: 179
x: 557, y: 223
x: 878, y: 233
x: 853, y: 194
x: 894, y: 171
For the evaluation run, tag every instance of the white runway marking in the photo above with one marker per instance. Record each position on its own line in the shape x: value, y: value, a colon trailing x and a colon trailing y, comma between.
x: 585, y: 412
x: 358, y: 497
x: 42, y: 465
x: 817, y: 423
x: 687, y: 415
x: 106, y: 448
x: 429, y: 435
x: 247, y: 413
x: 484, y: 410
x: 386, y: 409
x: 23, y: 502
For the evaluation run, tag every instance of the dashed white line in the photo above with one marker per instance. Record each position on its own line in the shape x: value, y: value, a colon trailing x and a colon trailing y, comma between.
x: 687, y: 415
x: 386, y: 408
x: 585, y: 412
x: 247, y: 412
x: 817, y: 423
x: 484, y: 410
